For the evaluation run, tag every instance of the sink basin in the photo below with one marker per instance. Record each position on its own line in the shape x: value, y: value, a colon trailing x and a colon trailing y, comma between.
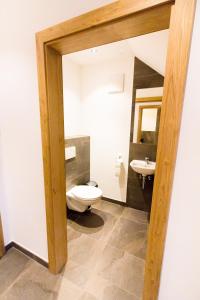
x: 142, y: 167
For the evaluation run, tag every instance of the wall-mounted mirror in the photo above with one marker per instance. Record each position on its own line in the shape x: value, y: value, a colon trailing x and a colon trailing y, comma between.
x: 148, y: 124
x: 147, y: 117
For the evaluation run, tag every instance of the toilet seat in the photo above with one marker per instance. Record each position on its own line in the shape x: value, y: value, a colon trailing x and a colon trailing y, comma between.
x: 85, y: 192
x: 80, y: 197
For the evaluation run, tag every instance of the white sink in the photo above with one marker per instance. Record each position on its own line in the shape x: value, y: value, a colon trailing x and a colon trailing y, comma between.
x: 142, y: 167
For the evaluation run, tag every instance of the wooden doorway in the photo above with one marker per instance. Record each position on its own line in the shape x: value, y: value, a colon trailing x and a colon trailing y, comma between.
x: 120, y: 20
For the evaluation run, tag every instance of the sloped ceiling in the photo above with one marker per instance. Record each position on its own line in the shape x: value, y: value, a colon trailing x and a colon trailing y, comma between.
x: 150, y: 48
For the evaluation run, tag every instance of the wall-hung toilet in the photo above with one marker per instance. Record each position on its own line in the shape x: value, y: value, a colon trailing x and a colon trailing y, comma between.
x: 81, y: 197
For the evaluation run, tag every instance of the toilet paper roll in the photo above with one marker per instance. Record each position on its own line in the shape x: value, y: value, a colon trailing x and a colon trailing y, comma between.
x: 118, y: 165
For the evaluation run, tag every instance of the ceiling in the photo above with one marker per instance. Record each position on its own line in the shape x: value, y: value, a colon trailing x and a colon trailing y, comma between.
x: 150, y: 48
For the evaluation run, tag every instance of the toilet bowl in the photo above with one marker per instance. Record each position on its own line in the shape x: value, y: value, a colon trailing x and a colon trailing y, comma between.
x: 81, y: 197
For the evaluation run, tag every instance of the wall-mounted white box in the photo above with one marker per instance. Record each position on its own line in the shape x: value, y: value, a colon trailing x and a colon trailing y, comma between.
x: 70, y: 152
x: 116, y: 83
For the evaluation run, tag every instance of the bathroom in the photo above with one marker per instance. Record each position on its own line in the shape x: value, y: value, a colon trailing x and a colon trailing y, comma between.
x: 112, y: 104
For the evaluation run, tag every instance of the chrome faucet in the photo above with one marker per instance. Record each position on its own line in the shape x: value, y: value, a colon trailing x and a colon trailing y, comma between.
x: 147, y: 160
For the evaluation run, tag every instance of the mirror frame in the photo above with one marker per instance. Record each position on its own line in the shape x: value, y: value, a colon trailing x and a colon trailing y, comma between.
x: 141, y: 108
x: 149, y: 99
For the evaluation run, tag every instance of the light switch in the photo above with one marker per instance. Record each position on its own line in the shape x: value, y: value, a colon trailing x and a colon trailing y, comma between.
x: 70, y: 152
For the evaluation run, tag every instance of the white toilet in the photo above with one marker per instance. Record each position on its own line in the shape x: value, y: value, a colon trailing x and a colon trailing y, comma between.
x: 81, y: 197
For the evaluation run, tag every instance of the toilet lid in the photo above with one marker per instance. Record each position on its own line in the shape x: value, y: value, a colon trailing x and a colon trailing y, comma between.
x: 86, y: 192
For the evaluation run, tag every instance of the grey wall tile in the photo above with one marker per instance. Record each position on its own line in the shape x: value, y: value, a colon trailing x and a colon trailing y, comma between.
x: 78, y: 168
x: 144, y: 77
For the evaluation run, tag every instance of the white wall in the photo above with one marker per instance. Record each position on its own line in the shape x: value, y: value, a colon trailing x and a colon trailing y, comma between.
x: 181, y: 266
x: 72, y: 96
x: 21, y: 175
x: 103, y: 116
x: 149, y: 92
x: 149, y: 54
x: 21, y: 189
x: 106, y: 118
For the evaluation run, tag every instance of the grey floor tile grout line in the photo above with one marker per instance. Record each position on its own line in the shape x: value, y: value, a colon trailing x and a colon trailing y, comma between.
x: 114, y: 227
x: 107, y: 240
x: 27, y: 266
x: 19, y: 276
x: 103, y: 243
x: 106, y: 243
x: 111, y: 232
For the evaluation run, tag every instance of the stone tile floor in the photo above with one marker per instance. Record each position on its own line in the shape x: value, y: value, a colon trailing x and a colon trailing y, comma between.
x: 106, y: 253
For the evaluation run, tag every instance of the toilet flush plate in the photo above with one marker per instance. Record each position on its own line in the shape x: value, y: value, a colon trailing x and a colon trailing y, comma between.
x: 70, y: 152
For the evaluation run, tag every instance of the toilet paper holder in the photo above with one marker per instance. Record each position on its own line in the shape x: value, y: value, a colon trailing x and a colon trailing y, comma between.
x: 118, y: 165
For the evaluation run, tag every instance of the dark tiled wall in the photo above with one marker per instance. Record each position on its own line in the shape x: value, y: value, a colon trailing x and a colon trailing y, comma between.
x: 78, y: 168
x: 140, y: 151
x: 136, y: 196
x: 144, y: 77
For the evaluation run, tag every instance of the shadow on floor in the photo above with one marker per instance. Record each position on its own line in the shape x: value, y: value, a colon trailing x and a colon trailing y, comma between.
x: 88, y: 219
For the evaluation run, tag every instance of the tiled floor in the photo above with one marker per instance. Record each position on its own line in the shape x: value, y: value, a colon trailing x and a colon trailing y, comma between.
x: 106, y: 260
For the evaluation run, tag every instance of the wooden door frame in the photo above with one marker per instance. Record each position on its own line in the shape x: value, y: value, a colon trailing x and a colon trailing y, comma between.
x: 120, y: 20
x: 149, y: 99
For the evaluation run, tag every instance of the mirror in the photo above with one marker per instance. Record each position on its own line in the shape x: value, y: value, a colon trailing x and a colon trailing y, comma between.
x: 148, y: 124
x: 147, y: 119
